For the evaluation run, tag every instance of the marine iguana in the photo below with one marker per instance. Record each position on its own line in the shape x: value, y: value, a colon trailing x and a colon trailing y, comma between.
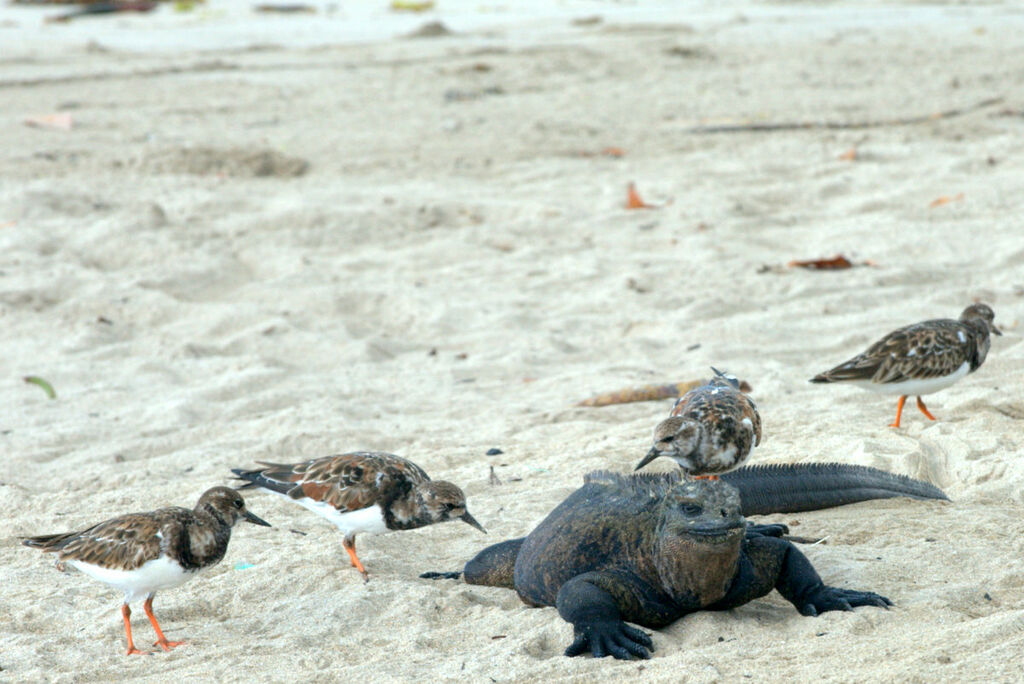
x: 651, y: 548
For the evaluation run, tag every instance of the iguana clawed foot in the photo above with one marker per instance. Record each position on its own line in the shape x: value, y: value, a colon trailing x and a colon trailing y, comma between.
x: 833, y: 598
x: 611, y: 638
x: 778, y: 530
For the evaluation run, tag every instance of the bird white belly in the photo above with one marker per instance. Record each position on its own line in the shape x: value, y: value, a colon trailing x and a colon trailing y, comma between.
x: 915, y: 388
x: 368, y: 520
x: 723, y: 459
x: 151, y: 576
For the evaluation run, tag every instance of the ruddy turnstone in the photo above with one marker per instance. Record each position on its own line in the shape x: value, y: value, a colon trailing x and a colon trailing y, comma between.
x: 143, y: 553
x: 363, y: 491
x: 712, y: 429
x: 921, y: 358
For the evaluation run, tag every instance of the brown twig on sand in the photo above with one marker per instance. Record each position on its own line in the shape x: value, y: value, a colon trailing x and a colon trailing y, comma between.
x: 843, y: 125
x: 649, y: 393
x: 285, y: 8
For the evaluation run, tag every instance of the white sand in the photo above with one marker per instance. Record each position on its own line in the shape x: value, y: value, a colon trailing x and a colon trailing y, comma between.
x: 194, y: 316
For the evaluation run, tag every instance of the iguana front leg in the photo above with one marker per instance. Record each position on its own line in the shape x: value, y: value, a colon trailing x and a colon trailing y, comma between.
x: 801, y: 585
x: 597, y: 603
x: 770, y: 563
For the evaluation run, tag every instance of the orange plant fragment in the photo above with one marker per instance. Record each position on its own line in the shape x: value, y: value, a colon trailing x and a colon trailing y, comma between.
x: 59, y: 122
x: 633, y: 200
x: 946, y: 199
x: 649, y: 393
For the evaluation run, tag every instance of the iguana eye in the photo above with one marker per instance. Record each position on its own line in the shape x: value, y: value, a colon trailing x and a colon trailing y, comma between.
x: 692, y: 510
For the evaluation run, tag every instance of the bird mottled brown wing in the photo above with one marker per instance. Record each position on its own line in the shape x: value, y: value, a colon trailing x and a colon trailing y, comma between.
x: 750, y: 411
x: 721, y: 404
x: 124, y: 543
x: 347, y: 482
x: 925, y: 350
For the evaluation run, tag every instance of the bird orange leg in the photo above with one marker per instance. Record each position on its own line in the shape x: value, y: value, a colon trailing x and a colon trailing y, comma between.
x: 350, y: 546
x: 924, y: 409
x: 705, y: 477
x: 161, y: 640
x: 899, y: 411
x: 126, y: 613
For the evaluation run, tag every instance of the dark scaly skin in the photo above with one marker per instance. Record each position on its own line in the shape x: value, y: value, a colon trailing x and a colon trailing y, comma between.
x: 649, y: 549
x: 795, y: 487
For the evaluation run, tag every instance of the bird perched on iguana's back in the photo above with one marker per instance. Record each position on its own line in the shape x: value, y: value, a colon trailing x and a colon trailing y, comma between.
x: 712, y: 429
x: 651, y: 548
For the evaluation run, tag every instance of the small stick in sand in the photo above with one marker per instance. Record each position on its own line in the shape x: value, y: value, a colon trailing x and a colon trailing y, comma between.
x: 649, y: 393
x: 769, y: 127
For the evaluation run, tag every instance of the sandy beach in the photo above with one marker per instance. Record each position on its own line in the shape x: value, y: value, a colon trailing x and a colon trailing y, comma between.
x: 276, y: 238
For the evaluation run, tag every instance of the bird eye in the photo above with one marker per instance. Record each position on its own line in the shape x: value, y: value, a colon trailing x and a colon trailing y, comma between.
x: 238, y: 503
x: 666, y: 440
x: 449, y: 507
x: 692, y: 510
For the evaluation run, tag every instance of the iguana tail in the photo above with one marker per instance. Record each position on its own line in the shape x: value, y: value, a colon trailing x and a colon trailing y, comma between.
x: 791, y: 488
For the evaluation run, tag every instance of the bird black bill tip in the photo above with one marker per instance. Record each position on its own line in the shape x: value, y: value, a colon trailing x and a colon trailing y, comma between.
x: 470, y: 520
x: 255, y: 519
x: 651, y: 455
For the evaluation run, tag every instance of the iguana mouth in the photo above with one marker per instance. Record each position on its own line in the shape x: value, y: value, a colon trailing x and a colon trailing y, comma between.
x: 716, y: 532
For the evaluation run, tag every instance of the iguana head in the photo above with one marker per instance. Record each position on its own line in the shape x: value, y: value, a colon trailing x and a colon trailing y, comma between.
x: 699, y: 539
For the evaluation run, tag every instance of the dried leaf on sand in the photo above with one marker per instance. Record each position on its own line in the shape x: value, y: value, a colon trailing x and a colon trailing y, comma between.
x: 836, y: 263
x: 946, y: 199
